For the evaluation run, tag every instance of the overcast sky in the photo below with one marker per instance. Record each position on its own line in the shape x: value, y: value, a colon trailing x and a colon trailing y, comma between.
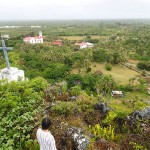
x: 73, y: 9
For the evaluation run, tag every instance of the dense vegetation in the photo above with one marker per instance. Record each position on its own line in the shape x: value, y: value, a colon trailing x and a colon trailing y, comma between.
x: 65, y: 83
x: 19, y: 103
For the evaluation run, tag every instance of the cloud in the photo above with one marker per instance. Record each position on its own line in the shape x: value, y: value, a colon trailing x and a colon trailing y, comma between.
x: 74, y: 9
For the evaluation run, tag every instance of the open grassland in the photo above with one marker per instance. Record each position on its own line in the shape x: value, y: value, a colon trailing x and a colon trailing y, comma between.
x: 131, y: 95
x: 117, y: 103
x: 120, y: 73
x: 132, y: 61
x: 78, y: 38
x: 119, y: 106
x: 72, y: 38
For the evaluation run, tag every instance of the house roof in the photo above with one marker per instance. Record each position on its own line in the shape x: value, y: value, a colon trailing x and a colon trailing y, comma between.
x: 89, y: 44
x: 84, y: 44
x: 35, y: 37
x: 116, y: 92
x: 57, y: 42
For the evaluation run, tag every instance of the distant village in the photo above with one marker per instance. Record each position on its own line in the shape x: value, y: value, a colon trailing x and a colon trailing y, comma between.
x: 40, y: 39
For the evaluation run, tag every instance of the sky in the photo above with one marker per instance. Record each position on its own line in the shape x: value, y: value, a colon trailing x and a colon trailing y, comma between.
x: 73, y: 9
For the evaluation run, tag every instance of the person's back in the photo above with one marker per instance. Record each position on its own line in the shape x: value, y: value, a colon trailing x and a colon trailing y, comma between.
x: 44, y: 137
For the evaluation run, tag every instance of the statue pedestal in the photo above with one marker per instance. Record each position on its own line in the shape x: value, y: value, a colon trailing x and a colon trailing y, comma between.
x: 12, y: 74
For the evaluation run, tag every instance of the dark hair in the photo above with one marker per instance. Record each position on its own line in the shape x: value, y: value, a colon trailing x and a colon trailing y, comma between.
x: 46, y: 122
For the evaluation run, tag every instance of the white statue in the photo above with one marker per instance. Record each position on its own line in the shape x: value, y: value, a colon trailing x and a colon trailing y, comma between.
x: 10, y: 73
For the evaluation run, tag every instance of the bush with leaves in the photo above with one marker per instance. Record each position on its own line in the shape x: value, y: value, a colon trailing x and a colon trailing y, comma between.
x: 74, y: 79
x: 64, y: 108
x: 75, y: 91
x: 56, y: 71
x: 108, y: 67
x: 145, y: 65
x: 103, y: 132
x: 19, y: 103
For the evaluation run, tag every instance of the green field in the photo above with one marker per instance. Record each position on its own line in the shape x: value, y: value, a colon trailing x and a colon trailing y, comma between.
x: 72, y: 38
x: 120, y: 73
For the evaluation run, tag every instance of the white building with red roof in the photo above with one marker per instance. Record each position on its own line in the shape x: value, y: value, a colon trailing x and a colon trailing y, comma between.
x: 35, y: 39
x: 85, y: 45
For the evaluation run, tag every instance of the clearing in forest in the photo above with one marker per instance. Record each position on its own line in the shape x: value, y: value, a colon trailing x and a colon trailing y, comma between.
x: 120, y: 73
x: 77, y: 38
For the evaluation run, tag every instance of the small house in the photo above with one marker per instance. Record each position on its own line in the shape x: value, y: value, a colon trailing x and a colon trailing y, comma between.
x: 117, y: 94
x: 57, y: 42
x: 84, y: 45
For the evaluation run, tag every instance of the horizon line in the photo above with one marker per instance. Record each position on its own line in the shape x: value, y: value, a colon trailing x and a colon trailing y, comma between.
x: 84, y: 19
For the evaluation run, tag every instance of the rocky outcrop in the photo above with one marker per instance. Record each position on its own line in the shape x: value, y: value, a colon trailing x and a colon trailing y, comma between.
x: 75, y: 139
x: 143, y: 114
x: 101, y: 107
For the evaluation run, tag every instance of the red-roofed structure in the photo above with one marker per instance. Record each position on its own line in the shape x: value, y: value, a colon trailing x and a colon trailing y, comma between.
x: 85, y: 45
x: 58, y: 42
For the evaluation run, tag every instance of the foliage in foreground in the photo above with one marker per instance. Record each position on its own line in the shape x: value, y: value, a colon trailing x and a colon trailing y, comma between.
x: 19, y: 103
x: 103, y: 132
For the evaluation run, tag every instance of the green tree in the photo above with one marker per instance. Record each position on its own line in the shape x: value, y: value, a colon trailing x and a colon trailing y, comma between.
x: 55, y: 71
x: 74, y: 79
x: 99, y: 55
x: 105, y: 84
x: 19, y: 104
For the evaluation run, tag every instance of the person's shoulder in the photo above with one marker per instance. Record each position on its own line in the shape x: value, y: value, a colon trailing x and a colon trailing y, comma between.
x: 39, y: 130
x: 50, y: 135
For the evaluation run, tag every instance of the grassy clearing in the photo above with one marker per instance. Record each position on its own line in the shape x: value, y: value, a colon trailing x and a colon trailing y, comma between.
x: 99, y: 37
x: 116, y: 103
x: 120, y: 73
x: 78, y: 38
x: 119, y: 106
x: 131, y: 95
x: 72, y: 38
x: 141, y: 95
x: 134, y: 63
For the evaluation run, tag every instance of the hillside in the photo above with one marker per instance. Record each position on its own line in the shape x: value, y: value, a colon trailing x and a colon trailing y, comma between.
x: 73, y: 86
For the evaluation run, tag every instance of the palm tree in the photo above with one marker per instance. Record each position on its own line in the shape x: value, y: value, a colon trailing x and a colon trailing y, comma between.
x: 105, y: 84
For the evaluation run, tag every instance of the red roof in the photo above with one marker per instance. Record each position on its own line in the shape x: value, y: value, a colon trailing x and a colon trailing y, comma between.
x: 58, y: 42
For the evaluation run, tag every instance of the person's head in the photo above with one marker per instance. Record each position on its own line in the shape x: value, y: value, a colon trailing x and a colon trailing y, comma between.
x: 46, y: 122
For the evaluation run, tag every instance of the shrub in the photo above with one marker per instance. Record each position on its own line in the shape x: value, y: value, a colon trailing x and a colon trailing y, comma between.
x: 76, y: 90
x: 20, y: 102
x: 145, y: 65
x: 103, y: 132
x: 73, y: 80
x: 88, y: 70
x: 55, y: 71
x: 108, y: 67
x: 110, y: 117
x: 64, y: 108
x: 127, y: 87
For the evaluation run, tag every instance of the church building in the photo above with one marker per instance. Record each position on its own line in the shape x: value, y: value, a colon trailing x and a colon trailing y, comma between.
x: 35, y: 39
